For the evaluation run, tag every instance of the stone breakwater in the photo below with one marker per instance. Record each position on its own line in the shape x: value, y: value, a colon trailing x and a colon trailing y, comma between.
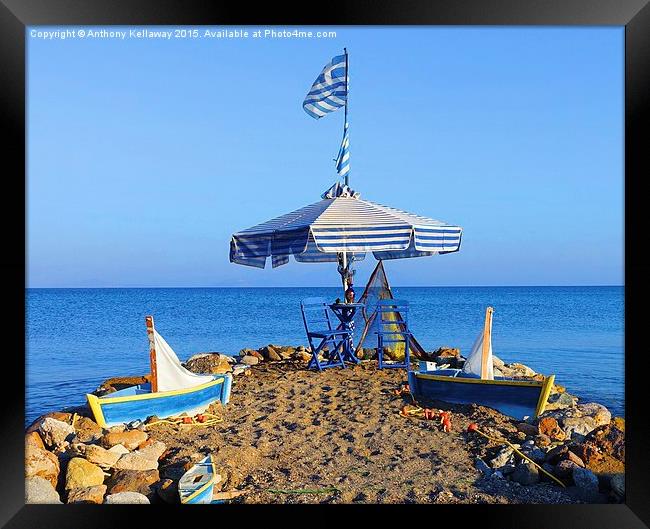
x: 70, y: 458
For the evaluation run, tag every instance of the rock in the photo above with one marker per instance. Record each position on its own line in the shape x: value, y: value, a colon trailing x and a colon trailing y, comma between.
x: 619, y: 422
x: 564, y: 469
x: 303, y: 356
x: 560, y: 401
x: 250, y: 360
x: 542, y: 440
x: 95, y: 454
x: 549, y: 426
x: 58, y: 415
x: 118, y: 449
x: 528, y: 429
x: 141, y: 481
x: 257, y: 355
x: 87, y: 430
x: 525, y: 473
x: 87, y: 495
x: 535, y: 454
x: 40, y: 490
x: 497, y: 362
x: 270, y: 353
x: 135, y: 461
x: 167, y: 489
x: 238, y: 369
x: 82, y: 473
x: 605, y: 467
x: 572, y: 457
x: 497, y: 474
x: 151, y: 449
x: 507, y: 469
x: 617, y: 484
x: 582, y: 419
x: 549, y: 468
x: 586, y: 481
x: 38, y: 461
x: 213, y: 363
x: 117, y: 428
x: 502, y: 458
x: 126, y: 497
x: 507, y: 372
x: 55, y: 433
x: 131, y: 439
x: 482, y: 466
x: 447, y: 352
x: 556, y: 454
x: 606, y: 440
x: 116, y: 383
x: 520, y: 370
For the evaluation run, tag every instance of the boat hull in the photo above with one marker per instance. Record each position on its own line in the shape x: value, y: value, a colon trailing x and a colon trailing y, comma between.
x: 138, y: 402
x: 191, y: 492
x: 516, y: 398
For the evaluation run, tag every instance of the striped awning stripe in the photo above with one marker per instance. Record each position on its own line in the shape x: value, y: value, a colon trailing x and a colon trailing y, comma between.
x: 316, y: 233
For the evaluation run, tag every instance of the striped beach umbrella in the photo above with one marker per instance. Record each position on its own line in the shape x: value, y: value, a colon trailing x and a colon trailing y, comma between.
x: 343, y: 227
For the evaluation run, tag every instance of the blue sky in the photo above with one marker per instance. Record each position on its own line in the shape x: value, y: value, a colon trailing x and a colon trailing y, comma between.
x: 145, y: 155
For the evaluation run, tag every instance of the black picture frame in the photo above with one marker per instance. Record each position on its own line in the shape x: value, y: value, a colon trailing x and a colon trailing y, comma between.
x: 634, y: 15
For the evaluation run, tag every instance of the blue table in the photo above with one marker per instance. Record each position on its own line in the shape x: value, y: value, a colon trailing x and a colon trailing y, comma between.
x: 345, y: 313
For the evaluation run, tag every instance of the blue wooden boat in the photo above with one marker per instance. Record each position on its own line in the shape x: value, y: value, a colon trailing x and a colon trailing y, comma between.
x: 197, y: 484
x: 173, y: 390
x: 475, y: 383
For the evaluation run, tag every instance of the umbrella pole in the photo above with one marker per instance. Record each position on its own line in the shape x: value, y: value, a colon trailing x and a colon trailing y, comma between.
x: 344, y: 272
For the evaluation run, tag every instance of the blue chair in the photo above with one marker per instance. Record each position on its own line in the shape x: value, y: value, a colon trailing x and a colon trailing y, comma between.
x: 392, y: 330
x: 315, y: 315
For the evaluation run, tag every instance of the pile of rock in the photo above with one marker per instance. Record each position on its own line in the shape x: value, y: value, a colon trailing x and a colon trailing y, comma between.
x: 72, y: 458
x: 580, y: 444
x: 240, y: 364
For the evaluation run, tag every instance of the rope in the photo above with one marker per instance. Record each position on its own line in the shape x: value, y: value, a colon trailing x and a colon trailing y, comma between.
x: 473, y: 427
x: 201, y: 419
x: 426, y: 413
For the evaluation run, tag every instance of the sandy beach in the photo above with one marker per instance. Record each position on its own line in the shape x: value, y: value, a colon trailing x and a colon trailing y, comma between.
x: 290, y: 429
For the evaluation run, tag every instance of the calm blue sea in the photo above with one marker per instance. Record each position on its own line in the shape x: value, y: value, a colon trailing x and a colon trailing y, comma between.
x: 76, y: 338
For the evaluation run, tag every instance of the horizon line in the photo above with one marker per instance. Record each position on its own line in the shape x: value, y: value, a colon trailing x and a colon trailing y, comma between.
x: 322, y: 286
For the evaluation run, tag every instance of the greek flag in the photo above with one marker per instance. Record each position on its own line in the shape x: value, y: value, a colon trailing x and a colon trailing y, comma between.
x: 329, y: 91
x: 343, y: 158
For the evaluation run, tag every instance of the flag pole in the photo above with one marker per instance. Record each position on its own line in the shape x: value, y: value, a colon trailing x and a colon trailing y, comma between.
x: 347, y: 96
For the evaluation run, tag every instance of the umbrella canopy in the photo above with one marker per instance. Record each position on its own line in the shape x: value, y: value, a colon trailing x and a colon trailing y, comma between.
x: 343, y: 223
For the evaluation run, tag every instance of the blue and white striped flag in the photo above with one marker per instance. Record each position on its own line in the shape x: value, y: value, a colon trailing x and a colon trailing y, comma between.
x: 343, y: 158
x: 329, y: 91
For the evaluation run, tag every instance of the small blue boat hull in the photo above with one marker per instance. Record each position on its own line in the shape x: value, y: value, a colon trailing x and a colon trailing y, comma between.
x: 516, y: 398
x: 138, y: 402
x: 197, y: 484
